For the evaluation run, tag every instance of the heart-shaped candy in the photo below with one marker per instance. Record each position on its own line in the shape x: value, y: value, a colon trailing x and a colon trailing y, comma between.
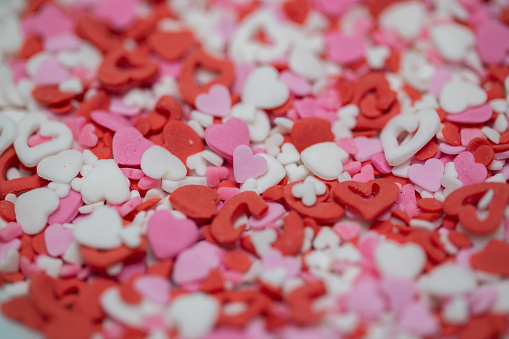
x: 264, y: 90
x: 401, y: 261
x: 461, y: 204
x: 105, y: 182
x: 456, y: 96
x: 426, y: 122
x: 325, y: 160
x: 492, y: 41
x: 443, y: 36
x: 469, y: 171
x: 246, y: 165
x: 429, y: 175
x: 31, y: 156
x: 356, y: 195
x: 216, y: 102
x: 226, y: 137
x: 195, y: 201
x: 33, y: 208
x: 100, y: 230
x: 62, y: 167
x: 181, y: 140
x: 129, y: 146
x: 168, y: 236
x: 57, y: 239
x: 158, y: 163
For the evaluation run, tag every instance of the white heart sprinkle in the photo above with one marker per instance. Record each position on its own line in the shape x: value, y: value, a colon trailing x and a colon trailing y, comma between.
x: 61, y: 168
x: 158, y: 163
x: 33, y: 209
x: 402, y: 261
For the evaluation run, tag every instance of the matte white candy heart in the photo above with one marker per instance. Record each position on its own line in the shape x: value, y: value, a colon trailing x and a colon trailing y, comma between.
x: 426, y: 122
x: 31, y: 156
x: 289, y: 154
x: 402, y: 261
x: 100, y: 230
x: 448, y: 280
x: 33, y: 209
x: 8, y: 132
x: 307, y: 64
x: 264, y: 90
x: 309, y: 190
x: 105, y: 182
x: 244, y: 49
x: 325, y: 160
x: 158, y: 163
x: 404, y: 18
x: 194, y: 314
x: 457, y: 96
x: 61, y: 168
x: 452, y: 40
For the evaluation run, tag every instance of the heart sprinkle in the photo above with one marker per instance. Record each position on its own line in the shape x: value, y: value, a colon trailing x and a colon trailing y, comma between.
x: 254, y: 169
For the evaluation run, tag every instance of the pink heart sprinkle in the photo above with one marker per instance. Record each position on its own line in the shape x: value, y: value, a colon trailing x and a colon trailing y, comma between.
x: 195, y: 264
x: 295, y: 84
x: 246, y: 165
x: 469, y: 172
x: 400, y: 292
x: 62, y: 42
x: 347, y: 231
x: 366, y: 299
x: 348, y: 145
x: 67, y: 209
x: 120, y: 14
x: 380, y: 163
x: 216, y: 102
x: 57, y: 239
x: 274, y: 212
x: 474, y: 115
x: 467, y: 134
x: 154, y: 288
x: 87, y: 136
x: 492, y: 41
x: 168, y: 236
x: 367, y: 148
x: 427, y: 176
x: 129, y: 145
x: 50, y: 73
x: 6, y: 247
x: 367, y: 173
x: 110, y: 121
x: 307, y: 107
x: 226, y: 137
x: 418, y: 319
x: 345, y: 49
x: 273, y: 259
x: 215, y: 175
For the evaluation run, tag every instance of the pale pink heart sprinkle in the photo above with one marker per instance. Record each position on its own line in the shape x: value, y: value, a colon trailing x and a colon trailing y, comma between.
x: 273, y: 259
x: 62, y: 42
x: 381, y: 164
x: 216, y: 102
x: 226, y: 193
x: 295, y: 84
x: 11, y: 231
x: 367, y: 148
x: 366, y: 299
x: 274, y: 212
x: 87, y: 136
x: 110, y: 121
x: 120, y: 14
x: 352, y: 167
x: 57, y: 239
x: 347, y: 231
x: 440, y: 78
x: 427, y: 176
x: 154, y: 288
x: 215, y: 175
x: 418, y: 319
x: 6, y: 247
x: 367, y: 173
x: 246, y: 165
x: 195, y: 263
x: 400, y: 292
x: 473, y: 115
x: 492, y: 41
x: 467, y: 134
x: 48, y: 22
x: 130, y: 206
x: 469, y: 172
x: 307, y: 107
x: 169, y: 236
x: 345, y: 49
x: 50, y: 73
x: 225, y: 138
x: 348, y: 145
x: 129, y: 145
